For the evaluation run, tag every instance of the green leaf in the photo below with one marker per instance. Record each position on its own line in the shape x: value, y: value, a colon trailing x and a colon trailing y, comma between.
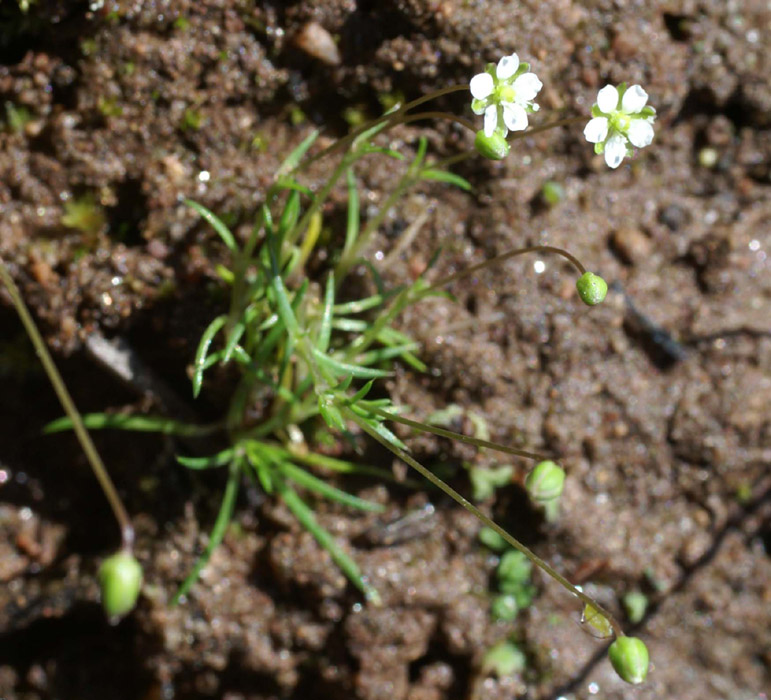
x: 356, y: 307
x: 294, y: 158
x: 445, y: 176
x: 203, y: 348
x: 379, y: 355
x: 361, y: 140
x: 144, y: 424
x: 350, y: 325
x: 216, y: 223
x: 312, y: 483
x: 378, y: 427
x: 308, y: 520
x: 390, y: 152
x: 325, y: 329
x: 218, y: 531
x: 221, y: 459
x: 283, y: 306
x: 342, y: 369
x: 353, y: 220
x: 361, y: 393
x: 331, y: 415
x: 290, y: 215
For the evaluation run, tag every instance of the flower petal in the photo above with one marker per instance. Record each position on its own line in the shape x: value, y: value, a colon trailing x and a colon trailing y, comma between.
x: 615, y: 150
x: 640, y: 133
x: 507, y: 66
x: 596, y: 131
x: 607, y: 99
x: 526, y: 87
x: 514, y: 116
x: 481, y: 85
x: 634, y: 100
x: 491, y: 120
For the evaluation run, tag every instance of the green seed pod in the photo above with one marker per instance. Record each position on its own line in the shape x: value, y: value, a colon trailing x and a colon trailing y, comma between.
x: 545, y: 482
x: 591, y: 288
x: 494, y: 147
x: 120, y: 578
x: 629, y: 657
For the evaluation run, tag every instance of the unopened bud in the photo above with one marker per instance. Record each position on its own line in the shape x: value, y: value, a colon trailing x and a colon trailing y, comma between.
x: 629, y: 657
x: 591, y: 288
x: 494, y: 147
x: 120, y: 579
x: 545, y: 482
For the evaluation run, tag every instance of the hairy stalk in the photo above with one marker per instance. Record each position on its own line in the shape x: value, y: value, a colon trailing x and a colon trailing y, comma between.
x: 471, y: 508
x: 97, y: 466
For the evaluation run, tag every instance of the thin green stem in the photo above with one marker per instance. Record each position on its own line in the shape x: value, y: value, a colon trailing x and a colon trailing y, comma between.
x: 390, y: 116
x: 471, y: 508
x: 499, y: 259
x: 439, y: 115
x: 97, y: 466
x: 350, y: 256
x: 423, y: 427
x: 517, y: 136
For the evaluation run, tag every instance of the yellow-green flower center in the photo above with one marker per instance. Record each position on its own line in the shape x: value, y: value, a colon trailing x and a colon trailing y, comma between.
x: 505, y: 93
x: 620, y: 122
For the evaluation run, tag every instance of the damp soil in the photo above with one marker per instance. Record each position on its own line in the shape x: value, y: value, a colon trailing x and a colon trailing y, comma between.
x: 658, y: 402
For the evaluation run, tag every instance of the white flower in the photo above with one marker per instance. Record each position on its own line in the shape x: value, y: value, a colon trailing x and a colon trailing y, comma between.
x: 620, y: 120
x: 505, y: 94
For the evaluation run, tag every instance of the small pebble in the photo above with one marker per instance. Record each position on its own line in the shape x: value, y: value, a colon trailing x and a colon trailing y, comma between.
x: 316, y: 41
x: 631, y: 245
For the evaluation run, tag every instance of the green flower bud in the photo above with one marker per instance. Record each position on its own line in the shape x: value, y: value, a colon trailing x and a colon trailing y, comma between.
x: 494, y: 147
x: 504, y: 607
x: 591, y: 288
x: 545, y: 482
x: 120, y: 578
x: 629, y: 657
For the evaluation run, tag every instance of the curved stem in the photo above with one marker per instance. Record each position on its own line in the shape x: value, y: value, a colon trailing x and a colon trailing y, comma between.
x: 438, y: 115
x: 518, y: 136
x: 100, y: 471
x: 390, y: 116
x: 458, y: 436
x: 505, y: 256
x: 471, y: 508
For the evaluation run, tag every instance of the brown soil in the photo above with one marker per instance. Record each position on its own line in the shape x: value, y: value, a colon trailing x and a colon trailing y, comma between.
x: 666, y: 433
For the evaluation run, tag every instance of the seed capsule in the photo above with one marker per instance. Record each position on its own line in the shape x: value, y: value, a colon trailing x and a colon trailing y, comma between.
x: 545, y: 482
x: 120, y: 579
x: 494, y: 147
x: 591, y: 288
x: 629, y: 657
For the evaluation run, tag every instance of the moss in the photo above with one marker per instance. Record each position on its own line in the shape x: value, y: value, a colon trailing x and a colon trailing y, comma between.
x: 84, y: 214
